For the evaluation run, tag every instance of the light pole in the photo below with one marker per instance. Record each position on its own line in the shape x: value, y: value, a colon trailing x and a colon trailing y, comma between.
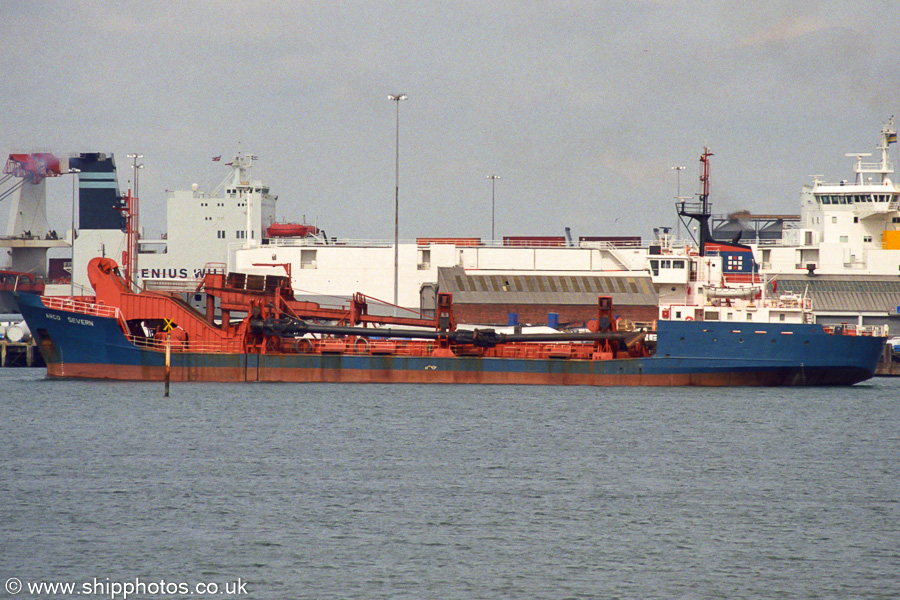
x: 678, y: 169
x: 493, y: 179
x: 396, y: 98
x: 75, y: 173
x: 134, y: 217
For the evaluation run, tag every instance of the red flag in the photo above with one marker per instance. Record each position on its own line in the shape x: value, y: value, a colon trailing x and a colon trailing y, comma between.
x: 217, y: 158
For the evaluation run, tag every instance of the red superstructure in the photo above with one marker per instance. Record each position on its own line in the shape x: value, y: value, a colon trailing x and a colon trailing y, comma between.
x: 272, y: 321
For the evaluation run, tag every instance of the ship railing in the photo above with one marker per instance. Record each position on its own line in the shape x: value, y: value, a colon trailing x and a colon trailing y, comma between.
x: 459, y: 242
x: 847, y: 183
x: 860, y: 330
x: 789, y: 301
x: 200, y: 347
x: 742, y: 278
x: 172, y: 285
x: 85, y: 308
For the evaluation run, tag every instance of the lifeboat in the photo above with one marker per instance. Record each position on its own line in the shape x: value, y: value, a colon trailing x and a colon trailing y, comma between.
x: 291, y: 230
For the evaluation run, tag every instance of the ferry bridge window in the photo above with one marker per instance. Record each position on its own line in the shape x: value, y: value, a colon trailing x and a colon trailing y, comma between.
x: 677, y: 264
x: 654, y: 267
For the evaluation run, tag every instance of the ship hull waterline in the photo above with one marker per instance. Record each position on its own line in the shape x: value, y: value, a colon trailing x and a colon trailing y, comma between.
x: 442, y: 371
x: 688, y: 354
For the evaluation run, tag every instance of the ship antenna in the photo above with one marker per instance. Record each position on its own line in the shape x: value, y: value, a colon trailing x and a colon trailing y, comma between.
x: 888, y: 137
x: 700, y: 211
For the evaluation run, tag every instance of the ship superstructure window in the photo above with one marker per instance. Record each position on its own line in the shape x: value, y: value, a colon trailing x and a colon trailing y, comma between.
x: 424, y: 259
x: 308, y: 259
x: 220, y: 234
x: 240, y: 234
x: 735, y: 263
x: 867, y: 238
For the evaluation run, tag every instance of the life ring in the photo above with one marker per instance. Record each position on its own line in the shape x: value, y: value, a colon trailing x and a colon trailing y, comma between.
x: 365, y: 346
x: 665, y: 313
x: 689, y: 318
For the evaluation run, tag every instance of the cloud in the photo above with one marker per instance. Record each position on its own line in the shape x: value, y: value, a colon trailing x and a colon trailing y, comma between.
x: 787, y: 30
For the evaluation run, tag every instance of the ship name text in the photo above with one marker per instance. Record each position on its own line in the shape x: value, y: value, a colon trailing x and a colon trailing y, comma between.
x: 77, y: 321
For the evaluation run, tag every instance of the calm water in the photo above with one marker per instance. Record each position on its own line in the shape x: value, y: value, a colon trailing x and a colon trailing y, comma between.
x: 351, y: 491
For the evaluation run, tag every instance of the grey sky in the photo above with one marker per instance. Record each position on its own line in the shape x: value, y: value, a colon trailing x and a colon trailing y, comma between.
x: 581, y: 107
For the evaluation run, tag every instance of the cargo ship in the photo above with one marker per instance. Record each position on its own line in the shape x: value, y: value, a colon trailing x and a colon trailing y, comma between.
x: 718, y: 324
x: 265, y: 334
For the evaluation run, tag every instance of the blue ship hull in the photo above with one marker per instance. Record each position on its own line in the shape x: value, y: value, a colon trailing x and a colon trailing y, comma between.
x: 687, y: 353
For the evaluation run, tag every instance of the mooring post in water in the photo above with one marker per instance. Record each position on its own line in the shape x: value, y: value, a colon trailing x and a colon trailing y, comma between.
x: 168, y: 360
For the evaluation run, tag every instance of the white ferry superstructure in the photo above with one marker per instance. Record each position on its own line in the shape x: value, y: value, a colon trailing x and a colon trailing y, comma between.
x: 845, y: 249
x: 202, y: 230
x: 235, y: 228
